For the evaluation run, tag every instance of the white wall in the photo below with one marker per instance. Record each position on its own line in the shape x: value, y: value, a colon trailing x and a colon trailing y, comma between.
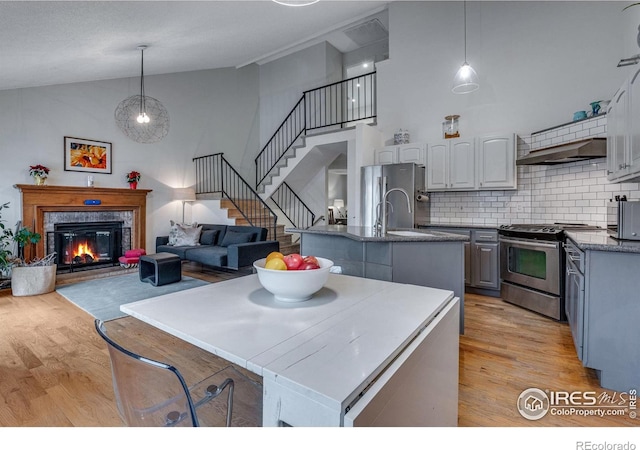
x: 283, y: 81
x: 210, y: 111
x: 538, y: 63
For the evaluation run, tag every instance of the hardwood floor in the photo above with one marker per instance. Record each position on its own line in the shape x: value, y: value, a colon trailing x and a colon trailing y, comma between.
x: 54, y: 369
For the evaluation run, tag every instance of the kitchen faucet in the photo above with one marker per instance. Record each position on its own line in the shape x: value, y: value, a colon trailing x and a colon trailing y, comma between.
x: 383, y: 213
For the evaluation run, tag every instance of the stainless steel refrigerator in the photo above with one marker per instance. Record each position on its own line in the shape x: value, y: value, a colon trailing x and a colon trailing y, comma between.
x: 408, y: 176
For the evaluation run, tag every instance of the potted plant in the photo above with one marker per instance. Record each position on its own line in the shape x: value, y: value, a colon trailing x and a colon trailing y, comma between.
x: 31, y: 277
x: 6, y: 241
x: 39, y: 173
x: 132, y: 178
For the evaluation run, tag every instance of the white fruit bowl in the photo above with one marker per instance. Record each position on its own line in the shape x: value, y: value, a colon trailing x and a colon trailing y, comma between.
x: 293, y: 285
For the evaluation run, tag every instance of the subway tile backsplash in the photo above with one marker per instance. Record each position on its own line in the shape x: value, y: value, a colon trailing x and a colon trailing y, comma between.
x: 573, y: 192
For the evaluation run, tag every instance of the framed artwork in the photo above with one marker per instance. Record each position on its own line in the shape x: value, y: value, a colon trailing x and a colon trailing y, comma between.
x: 86, y: 155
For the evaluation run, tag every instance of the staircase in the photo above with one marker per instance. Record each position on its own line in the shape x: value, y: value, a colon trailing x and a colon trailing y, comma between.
x: 286, y: 241
x: 328, y: 109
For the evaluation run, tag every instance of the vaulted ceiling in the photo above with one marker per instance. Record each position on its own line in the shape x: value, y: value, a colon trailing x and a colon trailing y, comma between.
x: 57, y: 42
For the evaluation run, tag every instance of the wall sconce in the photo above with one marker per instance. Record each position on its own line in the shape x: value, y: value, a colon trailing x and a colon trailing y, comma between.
x: 184, y: 195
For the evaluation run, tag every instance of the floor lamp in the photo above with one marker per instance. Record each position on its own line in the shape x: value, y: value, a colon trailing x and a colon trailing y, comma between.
x: 184, y: 195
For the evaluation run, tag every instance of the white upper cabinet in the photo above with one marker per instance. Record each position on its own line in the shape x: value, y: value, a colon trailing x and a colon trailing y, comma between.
x: 487, y: 162
x: 633, y: 156
x: 437, y: 166
x: 386, y: 155
x: 623, y: 132
x: 496, y: 162
x: 411, y: 153
x: 451, y: 165
x: 403, y: 153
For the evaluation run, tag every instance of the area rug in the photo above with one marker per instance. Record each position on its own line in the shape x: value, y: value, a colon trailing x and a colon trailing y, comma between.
x: 102, y: 297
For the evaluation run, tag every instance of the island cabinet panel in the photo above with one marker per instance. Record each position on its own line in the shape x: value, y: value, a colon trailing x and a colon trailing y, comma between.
x: 344, y: 252
x: 433, y: 263
x: 417, y: 389
x: 611, y: 316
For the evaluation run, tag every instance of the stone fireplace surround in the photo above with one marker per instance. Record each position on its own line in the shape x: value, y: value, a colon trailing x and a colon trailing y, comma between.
x: 42, y: 205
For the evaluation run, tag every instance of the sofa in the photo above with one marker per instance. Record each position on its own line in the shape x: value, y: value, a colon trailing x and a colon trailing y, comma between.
x: 222, y: 246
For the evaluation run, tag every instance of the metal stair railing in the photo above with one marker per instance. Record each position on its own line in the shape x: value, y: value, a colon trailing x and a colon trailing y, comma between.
x: 335, y: 104
x: 293, y: 207
x: 214, y: 174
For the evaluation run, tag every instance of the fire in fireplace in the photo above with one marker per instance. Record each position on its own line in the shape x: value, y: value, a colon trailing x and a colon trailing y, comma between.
x: 88, y: 245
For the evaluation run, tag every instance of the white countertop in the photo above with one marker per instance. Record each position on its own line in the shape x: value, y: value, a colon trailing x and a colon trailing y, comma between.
x: 328, y: 347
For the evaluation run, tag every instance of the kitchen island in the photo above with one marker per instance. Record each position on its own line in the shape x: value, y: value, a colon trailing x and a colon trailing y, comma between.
x: 359, y: 353
x: 602, y: 294
x: 421, y: 257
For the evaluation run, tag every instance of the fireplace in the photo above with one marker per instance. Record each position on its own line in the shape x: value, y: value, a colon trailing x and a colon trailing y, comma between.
x: 83, y: 246
x: 45, y: 206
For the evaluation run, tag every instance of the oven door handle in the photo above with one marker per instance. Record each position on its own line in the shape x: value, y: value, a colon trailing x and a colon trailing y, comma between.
x: 529, y: 243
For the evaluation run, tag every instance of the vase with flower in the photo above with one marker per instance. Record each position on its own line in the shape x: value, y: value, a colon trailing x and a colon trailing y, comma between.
x: 39, y: 173
x: 132, y: 178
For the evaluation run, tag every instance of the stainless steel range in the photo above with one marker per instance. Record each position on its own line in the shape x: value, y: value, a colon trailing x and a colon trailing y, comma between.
x: 532, y: 266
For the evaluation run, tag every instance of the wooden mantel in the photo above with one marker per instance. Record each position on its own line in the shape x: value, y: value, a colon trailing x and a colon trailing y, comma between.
x: 38, y: 200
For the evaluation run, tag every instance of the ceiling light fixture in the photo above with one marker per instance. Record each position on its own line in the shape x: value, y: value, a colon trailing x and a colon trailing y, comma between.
x: 466, y: 79
x: 296, y: 3
x: 140, y: 117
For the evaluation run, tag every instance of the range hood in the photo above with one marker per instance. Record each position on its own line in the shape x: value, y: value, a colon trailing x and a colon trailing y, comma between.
x: 566, y: 153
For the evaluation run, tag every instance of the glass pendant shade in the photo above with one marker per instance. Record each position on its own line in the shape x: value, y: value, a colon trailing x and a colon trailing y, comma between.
x: 466, y: 80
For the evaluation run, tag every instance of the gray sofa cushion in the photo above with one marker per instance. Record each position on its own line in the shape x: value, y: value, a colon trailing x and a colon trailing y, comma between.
x: 208, y: 255
x: 176, y: 250
x: 257, y: 233
x: 208, y: 237
x: 232, y: 237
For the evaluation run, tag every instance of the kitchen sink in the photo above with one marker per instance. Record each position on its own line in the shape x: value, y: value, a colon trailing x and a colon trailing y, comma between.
x: 408, y: 233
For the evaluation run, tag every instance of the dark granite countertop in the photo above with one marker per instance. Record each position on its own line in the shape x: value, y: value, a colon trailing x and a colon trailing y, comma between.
x: 601, y: 241
x: 368, y: 234
x: 461, y: 225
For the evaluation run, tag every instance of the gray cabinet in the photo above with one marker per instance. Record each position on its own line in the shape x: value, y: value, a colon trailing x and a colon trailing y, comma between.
x: 603, y: 310
x: 485, y: 253
x: 481, y: 259
x: 437, y: 264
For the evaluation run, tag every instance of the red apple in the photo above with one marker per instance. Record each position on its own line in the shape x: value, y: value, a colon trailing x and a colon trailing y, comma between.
x: 308, y: 266
x: 311, y: 259
x: 293, y: 261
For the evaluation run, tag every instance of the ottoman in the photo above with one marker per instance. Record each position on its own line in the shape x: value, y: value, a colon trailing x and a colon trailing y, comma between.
x: 160, y: 268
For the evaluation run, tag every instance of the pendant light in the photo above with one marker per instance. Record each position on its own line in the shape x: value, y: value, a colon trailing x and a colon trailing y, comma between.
x: 466, y: 79
x: 140, y: 117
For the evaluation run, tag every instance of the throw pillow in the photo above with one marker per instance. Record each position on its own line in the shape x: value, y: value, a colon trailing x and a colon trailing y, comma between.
x: 208, y: 237
x: 235, y: 237
x: 188, y: 235
x: 174, y: 231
